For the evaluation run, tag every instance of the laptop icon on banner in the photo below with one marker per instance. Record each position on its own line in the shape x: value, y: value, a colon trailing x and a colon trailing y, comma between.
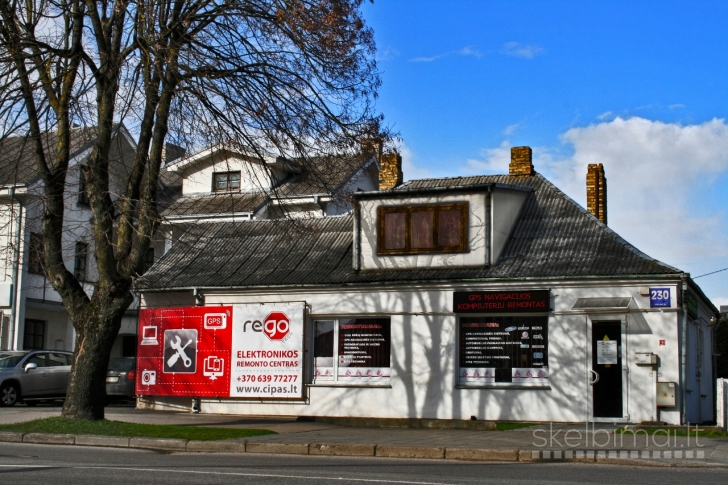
x: 149, y: 335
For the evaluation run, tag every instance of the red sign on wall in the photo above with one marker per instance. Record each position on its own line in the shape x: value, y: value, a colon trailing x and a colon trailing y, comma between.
x: 184, y: 351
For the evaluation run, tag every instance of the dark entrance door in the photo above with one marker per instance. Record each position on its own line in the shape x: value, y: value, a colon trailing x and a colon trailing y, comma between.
x: 607, y: 364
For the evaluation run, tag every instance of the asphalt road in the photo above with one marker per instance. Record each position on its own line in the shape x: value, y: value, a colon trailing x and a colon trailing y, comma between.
x: 43, y: 464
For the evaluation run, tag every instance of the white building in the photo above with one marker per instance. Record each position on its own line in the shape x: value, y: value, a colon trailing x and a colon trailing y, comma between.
x: 33, y: 316
x: 494, y: 297
x: 191, y: 192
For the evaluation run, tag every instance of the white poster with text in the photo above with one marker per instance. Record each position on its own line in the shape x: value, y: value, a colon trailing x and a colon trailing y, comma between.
x: 267, y: 350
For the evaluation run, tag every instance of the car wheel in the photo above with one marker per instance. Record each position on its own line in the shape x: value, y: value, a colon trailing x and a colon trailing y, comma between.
x: 31, y: 404
x: 9, y: 394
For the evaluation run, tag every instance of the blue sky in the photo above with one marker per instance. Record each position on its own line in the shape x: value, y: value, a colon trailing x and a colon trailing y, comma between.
x: 639, y: 86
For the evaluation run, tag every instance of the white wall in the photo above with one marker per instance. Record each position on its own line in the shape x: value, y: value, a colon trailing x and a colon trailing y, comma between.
x: 254, y: 174
x: 424, y: 357
x: 505, y: 207
x: 476, y: 255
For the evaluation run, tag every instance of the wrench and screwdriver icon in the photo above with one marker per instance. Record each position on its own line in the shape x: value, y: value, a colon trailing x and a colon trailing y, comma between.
x: 180, y: 352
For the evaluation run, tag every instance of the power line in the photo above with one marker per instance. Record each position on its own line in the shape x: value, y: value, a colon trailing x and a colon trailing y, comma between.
x: 706, y: 274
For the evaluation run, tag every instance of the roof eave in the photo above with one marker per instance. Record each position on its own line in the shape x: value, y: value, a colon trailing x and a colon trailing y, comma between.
x: 661, y: 276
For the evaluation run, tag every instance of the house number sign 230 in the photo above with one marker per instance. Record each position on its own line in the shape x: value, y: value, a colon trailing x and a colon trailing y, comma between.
x: 659, y: 297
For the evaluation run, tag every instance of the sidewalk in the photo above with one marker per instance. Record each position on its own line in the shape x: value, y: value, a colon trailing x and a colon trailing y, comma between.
x: 557, y: 442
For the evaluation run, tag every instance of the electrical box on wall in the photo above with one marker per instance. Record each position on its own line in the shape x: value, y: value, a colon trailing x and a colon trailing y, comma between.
x: 666, y: 394
x: 646, y: 358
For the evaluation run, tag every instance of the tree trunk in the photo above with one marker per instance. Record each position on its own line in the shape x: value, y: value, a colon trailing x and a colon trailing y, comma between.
x: 96, y: 330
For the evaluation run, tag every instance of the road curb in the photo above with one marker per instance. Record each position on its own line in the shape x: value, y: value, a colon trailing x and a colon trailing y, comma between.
x: 96, y: 440
x: 49, y: 439
x: 341, y: 449
x: 277, y: 448
x: 11, y: 437
x: 216, y: 446
x: 476, y: 454
x: 391, y: 451
x: 163, y: 444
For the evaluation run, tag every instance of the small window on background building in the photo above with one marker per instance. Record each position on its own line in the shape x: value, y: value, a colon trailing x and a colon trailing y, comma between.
x: 82, y: 192
x: 35, y: 260
x: 225, y: 181
x: 422, y: 229
x: 34, y: 334
x: 355, y: 350
x: 80, y: 261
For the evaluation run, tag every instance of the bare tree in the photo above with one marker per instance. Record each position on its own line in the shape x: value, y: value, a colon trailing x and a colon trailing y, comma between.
x: 290, y: 77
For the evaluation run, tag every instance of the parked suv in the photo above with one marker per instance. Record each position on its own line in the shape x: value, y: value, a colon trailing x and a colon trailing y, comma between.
x: 33, y: 376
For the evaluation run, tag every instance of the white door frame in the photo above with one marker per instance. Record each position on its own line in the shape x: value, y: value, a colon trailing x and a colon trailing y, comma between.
x: 621, y: 317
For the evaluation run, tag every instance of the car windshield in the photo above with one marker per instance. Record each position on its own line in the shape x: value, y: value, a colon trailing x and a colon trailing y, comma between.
x: 11, y: 359
x: 121, y: 364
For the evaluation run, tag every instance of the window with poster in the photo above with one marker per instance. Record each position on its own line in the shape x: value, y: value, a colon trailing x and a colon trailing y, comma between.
x: 351, y: 350
x: 503, y: 351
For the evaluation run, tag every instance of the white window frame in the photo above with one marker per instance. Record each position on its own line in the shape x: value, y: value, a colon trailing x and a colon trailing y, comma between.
x: 334, y: 381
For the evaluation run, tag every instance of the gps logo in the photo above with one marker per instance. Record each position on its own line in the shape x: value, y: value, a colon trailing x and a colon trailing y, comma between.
x: 215, y: 321
x: 276, y: 326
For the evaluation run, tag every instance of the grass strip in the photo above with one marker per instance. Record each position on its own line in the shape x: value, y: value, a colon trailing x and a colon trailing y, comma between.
x: 132, y: 430
x: 512, y: 425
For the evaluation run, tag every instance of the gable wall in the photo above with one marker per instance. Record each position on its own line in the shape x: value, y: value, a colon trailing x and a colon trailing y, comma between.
x: 254, y: 175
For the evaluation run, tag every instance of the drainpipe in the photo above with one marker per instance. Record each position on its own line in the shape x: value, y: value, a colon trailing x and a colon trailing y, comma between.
x: 16, y: 267
x: 684, y: 351
x: 357, y: 230
x: 488, y: 229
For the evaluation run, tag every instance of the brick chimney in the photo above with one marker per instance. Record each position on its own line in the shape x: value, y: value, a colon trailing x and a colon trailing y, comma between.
x: 596, y: 191
x: 521, y: 165
x: 390, y: 171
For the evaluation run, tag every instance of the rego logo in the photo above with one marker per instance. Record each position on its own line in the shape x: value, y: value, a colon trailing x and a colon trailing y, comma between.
x: 149, y: 377
x: 276, y: 326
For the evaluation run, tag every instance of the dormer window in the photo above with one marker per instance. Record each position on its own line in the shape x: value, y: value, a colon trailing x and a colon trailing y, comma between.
x: 225, y: 181
x: 418, y: 229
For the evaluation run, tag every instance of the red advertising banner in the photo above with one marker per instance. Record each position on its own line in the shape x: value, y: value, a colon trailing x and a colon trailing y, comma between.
x: 252, y: 350
x: 184, y: 351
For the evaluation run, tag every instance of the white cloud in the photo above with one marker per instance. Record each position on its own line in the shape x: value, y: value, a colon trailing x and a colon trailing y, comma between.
x: 465, y: 51
x: 510, y: 129
x: 676, y: 106
x: 469, y: 51
x: 658, y: 175
x: 524, y: 51
x: 409, y: 169
x: 387, y: 54
x: 494, y: 160
x: 605, y: 115
x: 427, y: 59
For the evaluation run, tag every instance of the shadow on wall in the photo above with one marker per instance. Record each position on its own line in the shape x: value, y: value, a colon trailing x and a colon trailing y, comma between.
x: 424, y: 370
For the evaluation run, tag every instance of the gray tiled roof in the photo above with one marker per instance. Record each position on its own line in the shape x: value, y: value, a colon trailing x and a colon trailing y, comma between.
x: 321, y: 175
x: 215, y: 204
x: 554, y: 237
x: 17, y: 154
